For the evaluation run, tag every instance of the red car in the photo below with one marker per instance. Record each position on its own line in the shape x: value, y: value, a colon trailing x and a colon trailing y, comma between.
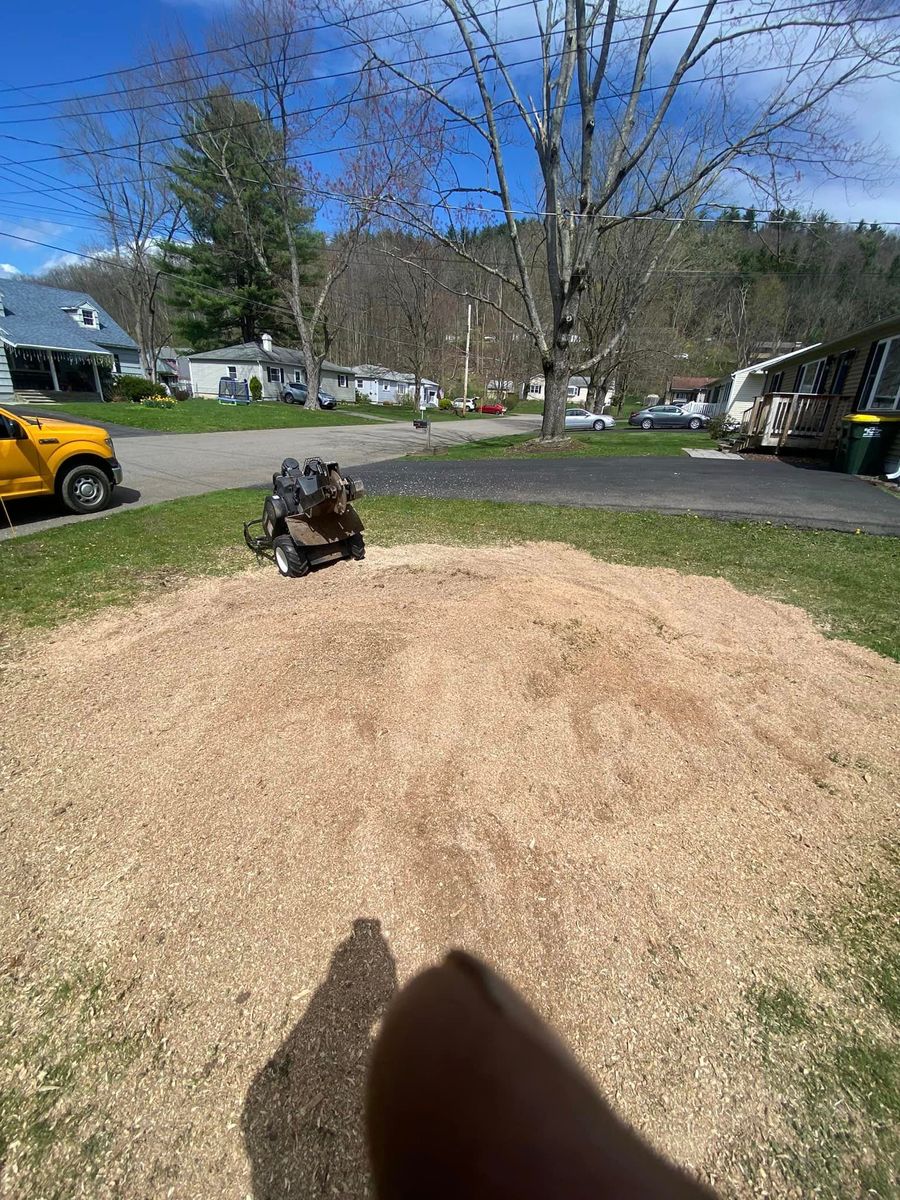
x: 492, y: 410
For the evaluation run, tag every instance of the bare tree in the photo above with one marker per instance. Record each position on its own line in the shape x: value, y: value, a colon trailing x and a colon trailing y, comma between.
x: 138, y: 207
x: 608, y: 84
x: 266, y: 47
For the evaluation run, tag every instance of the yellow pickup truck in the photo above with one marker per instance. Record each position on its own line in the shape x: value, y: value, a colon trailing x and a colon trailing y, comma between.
x: 40, y: 456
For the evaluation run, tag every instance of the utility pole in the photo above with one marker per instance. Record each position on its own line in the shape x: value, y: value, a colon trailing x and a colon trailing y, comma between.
x: 466, y: 371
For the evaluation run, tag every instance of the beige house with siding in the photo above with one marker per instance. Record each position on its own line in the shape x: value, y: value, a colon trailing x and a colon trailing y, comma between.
x: 274, y: 366
x: 804, y: 395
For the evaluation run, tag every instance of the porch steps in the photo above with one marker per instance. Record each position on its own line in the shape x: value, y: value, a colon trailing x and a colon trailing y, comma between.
x: 45, y: 399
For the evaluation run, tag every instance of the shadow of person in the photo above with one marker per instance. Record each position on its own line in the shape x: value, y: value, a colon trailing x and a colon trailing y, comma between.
x: 302, y: 1120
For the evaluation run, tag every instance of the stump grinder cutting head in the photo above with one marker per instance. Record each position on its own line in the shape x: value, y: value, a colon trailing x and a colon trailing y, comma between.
x: 308, y: 519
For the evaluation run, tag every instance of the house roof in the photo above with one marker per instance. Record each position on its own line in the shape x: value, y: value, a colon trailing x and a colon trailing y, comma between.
x: 687, y: 383
x: 252, y: 352
x: 886, y: 328
x: 752, y: 368
x: 370, y: 371
x: 35, y: 315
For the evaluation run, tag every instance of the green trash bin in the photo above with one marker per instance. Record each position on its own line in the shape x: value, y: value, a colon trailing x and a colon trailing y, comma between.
x: 863, y: 442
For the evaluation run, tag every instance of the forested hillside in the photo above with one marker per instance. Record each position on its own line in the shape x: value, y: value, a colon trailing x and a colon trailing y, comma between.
x: 724, y: 289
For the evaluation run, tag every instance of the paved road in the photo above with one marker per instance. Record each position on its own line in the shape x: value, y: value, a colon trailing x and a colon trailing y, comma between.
x: 758, y: 490
x: 164, y: 466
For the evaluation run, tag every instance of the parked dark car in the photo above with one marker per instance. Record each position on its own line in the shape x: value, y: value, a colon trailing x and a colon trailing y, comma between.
x: 667, y: 416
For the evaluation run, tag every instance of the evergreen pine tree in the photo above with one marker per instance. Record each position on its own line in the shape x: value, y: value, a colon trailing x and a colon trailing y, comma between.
x: 221, y: 292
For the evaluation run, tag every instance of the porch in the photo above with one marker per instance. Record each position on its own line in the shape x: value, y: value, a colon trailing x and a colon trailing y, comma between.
x: 40, y: 374
x: 793, y: 421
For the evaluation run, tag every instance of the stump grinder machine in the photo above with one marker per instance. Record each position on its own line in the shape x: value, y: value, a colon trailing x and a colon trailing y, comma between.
x: 308, y: 519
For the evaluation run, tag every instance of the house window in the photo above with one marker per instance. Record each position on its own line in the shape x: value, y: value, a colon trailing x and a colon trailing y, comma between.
x: 342, y: 380
x: 298, y: 377
x: 571, y: 390
x: 275, y: 374
x: 232, y: 372
x: 88, y: 317
x: 535, y: 389
x: 117, y: 366
x: 777, y: 382
x: 809, y: 379
x: 881, y: 389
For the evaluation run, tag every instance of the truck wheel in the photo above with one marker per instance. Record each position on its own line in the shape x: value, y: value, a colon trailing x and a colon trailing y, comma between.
x: 290, y: 561
x: 357, y: 546
x: 85, y: 489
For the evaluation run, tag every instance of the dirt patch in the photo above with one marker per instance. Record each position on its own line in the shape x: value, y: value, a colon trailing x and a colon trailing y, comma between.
x: 256, y: 805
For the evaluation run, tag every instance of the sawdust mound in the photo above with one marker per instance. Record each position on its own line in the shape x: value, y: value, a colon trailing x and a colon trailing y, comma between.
x: 261, y: 803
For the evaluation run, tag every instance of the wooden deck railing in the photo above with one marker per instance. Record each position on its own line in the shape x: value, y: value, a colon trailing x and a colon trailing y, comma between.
x: 794, y: 420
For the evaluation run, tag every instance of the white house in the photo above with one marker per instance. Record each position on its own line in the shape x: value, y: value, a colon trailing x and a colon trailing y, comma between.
x: 577, y: 390
x: 382, y: 386
x: 731, y: 395
x: 53, y: 340
x: 274, y: 366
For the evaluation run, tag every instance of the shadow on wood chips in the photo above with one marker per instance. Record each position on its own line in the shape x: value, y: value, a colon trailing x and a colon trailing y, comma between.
x: 303, y: 1117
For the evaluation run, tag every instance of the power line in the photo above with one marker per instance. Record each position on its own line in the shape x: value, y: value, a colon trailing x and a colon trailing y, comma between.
x: 415, y: 87
x: 362, y: 42
x: 109, y: 260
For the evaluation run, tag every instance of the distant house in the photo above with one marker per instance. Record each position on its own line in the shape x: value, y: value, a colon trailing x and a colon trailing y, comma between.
x: 274, y: 366
x: 804, y: 395
x: 383, y: 386
x: 173, y: 369
x: 683, y: 389
x: 732, y: 395
x: 55, y: 341
x: 576, y: 391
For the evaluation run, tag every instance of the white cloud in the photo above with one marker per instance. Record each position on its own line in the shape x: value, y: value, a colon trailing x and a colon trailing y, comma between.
x: 58, y: 260
x: 8, y: 269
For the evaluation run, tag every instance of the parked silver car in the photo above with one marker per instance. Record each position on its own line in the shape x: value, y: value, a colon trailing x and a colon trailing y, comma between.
x: 667, y: 416
x: 295, y: 393
x: 580, y: 418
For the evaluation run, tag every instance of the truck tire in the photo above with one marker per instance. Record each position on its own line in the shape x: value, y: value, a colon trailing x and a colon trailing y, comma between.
x: 290, y: 561
x: 357, y: 546
x: 85, y: 489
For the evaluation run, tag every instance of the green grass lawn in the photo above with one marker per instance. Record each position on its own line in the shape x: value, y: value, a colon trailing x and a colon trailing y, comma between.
x: 842, y: 580
x: 619, y: 442
x: 208, y: 416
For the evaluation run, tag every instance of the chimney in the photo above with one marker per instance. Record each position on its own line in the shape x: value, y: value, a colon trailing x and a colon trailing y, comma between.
x: 267, y: 342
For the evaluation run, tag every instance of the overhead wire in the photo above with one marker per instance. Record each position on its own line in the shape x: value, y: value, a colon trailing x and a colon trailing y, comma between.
x: 362, y: 42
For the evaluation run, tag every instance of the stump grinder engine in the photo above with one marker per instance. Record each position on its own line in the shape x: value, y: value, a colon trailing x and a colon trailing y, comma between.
x: 308, y: 519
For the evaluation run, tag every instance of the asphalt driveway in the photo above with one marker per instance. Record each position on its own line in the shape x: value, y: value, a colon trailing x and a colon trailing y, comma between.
x: 732, y: 489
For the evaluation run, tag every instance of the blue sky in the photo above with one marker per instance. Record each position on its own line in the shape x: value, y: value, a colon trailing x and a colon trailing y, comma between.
x: 50, y: 40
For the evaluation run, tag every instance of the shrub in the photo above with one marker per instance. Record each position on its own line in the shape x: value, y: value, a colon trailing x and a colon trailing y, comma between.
x: 159, y: 401
x: 444, y: 403
x: 360, y: 398
x: 510, y: 400
x: 181, y: 393
x: 255, y: 389
x: 135, y: 388
x: 723, y: 429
